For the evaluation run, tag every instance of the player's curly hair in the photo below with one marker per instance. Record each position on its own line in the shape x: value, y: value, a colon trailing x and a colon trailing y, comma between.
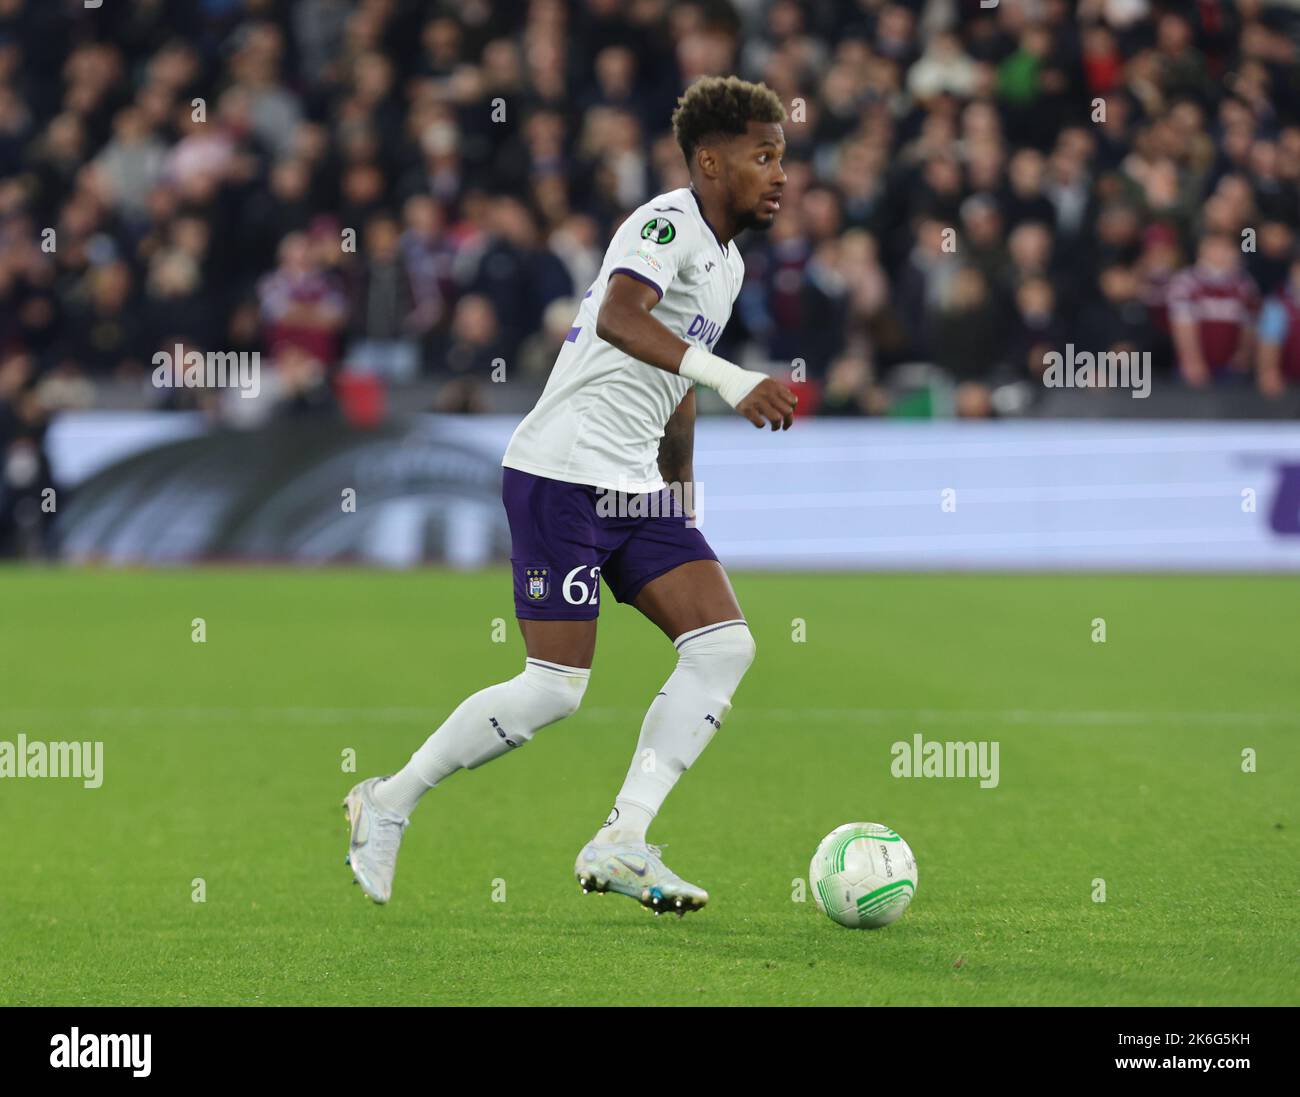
x: 722, y: 106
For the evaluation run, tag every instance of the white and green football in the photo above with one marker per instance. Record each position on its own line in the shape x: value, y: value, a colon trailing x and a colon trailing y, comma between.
x: 863, y: 875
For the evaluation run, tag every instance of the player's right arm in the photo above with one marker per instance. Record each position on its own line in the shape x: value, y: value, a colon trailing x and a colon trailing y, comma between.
x: 625, y: 322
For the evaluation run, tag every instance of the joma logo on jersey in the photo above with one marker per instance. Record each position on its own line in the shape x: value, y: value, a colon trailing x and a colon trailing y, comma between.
x: 706, y: 331
x: 539, y: 585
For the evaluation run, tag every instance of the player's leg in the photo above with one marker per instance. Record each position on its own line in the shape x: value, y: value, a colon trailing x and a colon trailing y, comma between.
x: 689, y: 597
x: 695, y: 607
x: 669, y: 573
x: 569, y: 643
x: 550, y: 539
x: 484, y: 726
x: 487, y: 724
x: 546, y: 524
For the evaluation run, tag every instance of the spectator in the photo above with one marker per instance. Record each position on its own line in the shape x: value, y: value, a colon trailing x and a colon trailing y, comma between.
x: 24, y: 466
x: 200, y: 156
x: 1023, y: 200
x: 1120, y: 318
x: 1036, y: 332
x: 1279, y: 337
x: 1159, y: 261
x: 983, y: 245
x: 301, y: 386
x: 475, y: 346
x: 1212, y: 308
x: 850, y: 389
x: 284, y: 206
x: 539, y: 351
x: 428, y: 257
x: 969, y: 341
x: 943, y: 69
x: 300, y: 304
x: 384, y: 325
x: 131, y: 164
x: 512, y: 273
x: 103, y: 336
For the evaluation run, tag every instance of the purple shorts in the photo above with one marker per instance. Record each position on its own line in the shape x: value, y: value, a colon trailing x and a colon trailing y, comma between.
x: 566, y: 537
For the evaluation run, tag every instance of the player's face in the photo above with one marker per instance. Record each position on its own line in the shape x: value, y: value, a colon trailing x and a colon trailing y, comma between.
x: 754, y: 175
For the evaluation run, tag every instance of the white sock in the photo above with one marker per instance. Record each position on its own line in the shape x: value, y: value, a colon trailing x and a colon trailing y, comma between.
x: 681, y: 720
x: 485, y: 726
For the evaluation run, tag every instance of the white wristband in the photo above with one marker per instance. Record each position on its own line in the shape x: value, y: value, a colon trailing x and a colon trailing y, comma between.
x: 732, y: 383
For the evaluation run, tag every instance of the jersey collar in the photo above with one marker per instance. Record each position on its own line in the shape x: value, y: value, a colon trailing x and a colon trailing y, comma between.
x: 700, y: 206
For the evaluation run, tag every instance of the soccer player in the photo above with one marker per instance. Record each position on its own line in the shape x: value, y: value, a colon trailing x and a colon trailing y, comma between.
x: 586, y: 493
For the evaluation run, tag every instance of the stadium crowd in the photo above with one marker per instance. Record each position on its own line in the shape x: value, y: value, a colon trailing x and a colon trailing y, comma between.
x: 414, y: 190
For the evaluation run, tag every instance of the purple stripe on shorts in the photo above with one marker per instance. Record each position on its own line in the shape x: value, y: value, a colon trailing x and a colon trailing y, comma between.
x: 639, y: 277
x: 572, y: 337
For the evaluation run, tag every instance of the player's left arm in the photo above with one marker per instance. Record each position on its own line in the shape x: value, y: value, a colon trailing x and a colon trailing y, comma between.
x: 677, y: 451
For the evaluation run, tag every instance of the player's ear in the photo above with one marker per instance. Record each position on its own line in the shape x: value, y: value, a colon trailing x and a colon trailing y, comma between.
x: 707, y: 161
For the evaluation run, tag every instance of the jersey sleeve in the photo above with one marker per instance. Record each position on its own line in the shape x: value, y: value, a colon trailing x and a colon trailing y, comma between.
x: 1273, y: 322
x: 653, y: 246
x: 1182, y: 297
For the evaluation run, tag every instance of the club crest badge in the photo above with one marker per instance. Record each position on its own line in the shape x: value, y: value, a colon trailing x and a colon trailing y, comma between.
x: 538, y: 583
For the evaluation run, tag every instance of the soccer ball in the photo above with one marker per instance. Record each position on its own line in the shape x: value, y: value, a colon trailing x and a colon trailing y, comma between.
x: 863, y: 875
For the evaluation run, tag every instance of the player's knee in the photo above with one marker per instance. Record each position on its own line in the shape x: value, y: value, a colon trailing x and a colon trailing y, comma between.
x: 741, y: 648
x: 725, y: 653
x: 540, y: 696
x: 748, y: 645
x: 554, y: 692
x: 568, y: 702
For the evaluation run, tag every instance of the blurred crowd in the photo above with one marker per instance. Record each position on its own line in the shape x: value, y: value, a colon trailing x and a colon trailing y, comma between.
x: 407, y: 190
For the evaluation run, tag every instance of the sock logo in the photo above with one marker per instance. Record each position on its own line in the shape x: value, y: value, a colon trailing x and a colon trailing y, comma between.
x: 502, y: 732
x: 613, y: 818
x: 714, y: 722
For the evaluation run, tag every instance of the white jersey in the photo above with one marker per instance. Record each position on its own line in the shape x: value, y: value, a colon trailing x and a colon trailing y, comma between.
x: 602, y: 413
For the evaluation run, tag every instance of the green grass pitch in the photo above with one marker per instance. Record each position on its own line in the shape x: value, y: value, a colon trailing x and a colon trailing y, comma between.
x: 223, y: 761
